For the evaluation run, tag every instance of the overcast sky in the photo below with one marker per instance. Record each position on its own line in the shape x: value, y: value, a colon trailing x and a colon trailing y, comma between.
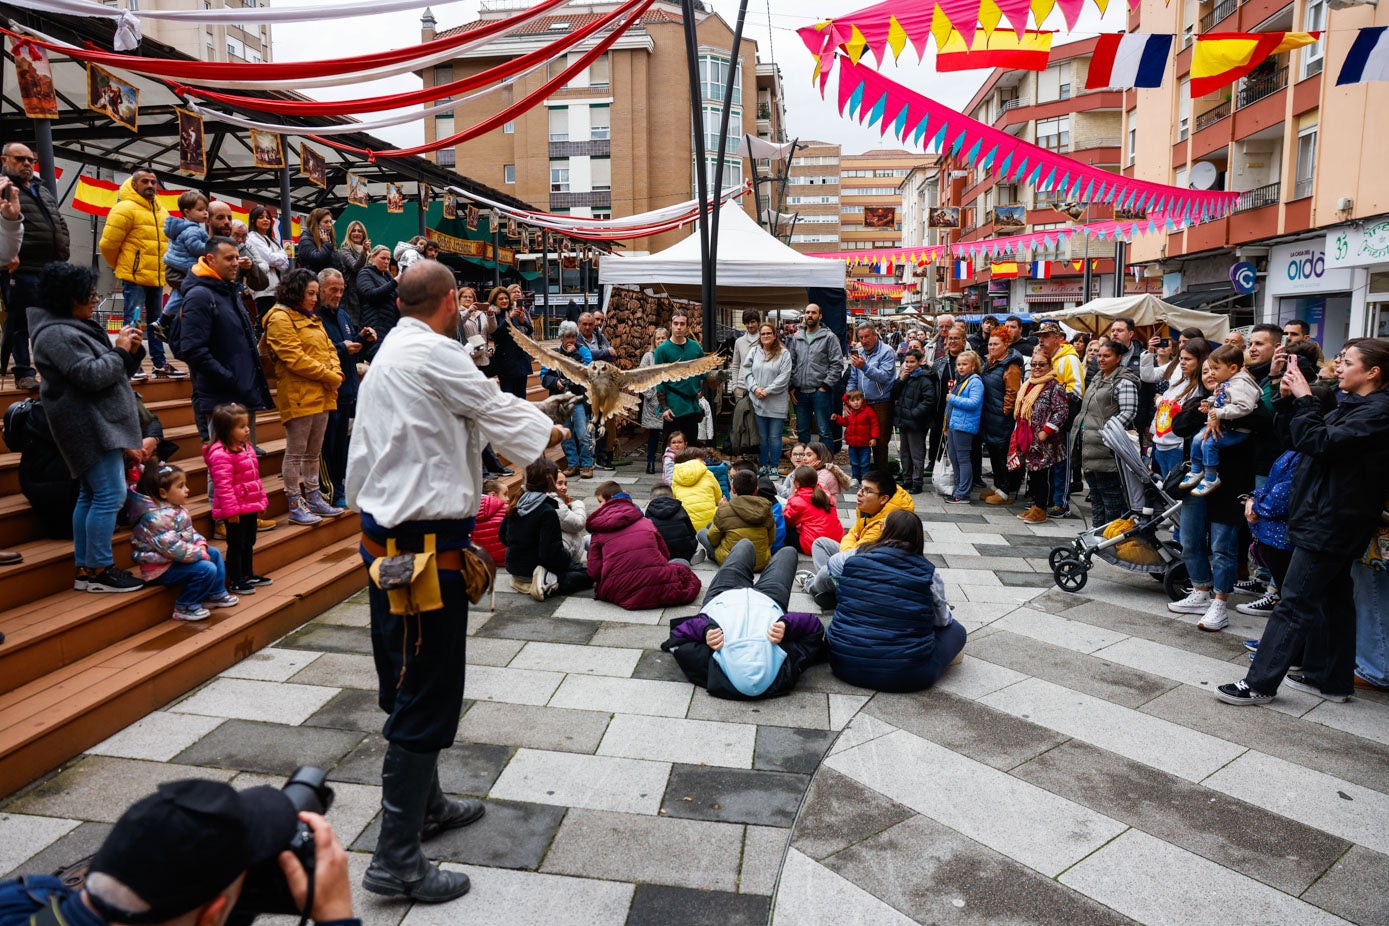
x: 807, y: 115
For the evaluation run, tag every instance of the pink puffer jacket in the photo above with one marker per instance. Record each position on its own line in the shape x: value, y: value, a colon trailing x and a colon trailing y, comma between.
x: 235, y: 476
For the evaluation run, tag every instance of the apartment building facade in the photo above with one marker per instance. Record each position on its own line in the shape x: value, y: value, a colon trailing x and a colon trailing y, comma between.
x: 617, y: 140
x: 1314, y: 220
x: 812, y: 195
x: 246, y: 43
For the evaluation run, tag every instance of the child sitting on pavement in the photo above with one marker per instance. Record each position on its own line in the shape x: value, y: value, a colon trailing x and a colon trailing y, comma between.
x: 629, y: 560
x: 674, y: 447
x: 490, y: 513
x: 810, y: 512
x: 665, y: 511
x: 536, y: 557
x: 696, y: 487
x: 743, y: 515
x: 572, y: 516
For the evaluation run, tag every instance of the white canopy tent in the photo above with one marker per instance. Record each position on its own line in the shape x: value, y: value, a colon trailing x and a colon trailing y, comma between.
x: 755, y: 270
x: 1147, y: 311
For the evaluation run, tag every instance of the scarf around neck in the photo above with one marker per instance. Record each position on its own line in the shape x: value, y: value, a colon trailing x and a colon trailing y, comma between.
x: 1030, y: 391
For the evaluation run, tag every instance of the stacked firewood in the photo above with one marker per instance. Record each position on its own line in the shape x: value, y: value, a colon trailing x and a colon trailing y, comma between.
x: 633, y: 317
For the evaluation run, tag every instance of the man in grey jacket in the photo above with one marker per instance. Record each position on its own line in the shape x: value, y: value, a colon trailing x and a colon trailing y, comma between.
x: 818, y: 367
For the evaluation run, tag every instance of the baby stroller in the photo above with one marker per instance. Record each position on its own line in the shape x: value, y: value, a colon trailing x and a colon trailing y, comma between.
x: 1131, y: 542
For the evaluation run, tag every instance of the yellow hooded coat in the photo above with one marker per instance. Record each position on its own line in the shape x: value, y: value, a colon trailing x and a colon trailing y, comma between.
x: 698, y: 491
x: 867, y: 528
x: 133, y: 240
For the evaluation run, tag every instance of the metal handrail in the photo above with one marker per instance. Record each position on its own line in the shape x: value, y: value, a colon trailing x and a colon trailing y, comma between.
x: 1259, y: 197
x: 1211, y: 116
x: 1255, y: 89
x: 1219, y: 12
x: 1014, y: 103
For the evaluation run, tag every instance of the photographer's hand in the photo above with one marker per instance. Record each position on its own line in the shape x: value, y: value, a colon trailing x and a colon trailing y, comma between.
x: 332, y: 889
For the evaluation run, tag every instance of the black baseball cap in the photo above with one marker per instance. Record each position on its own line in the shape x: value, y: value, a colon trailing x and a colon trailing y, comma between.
x: 180, y: 847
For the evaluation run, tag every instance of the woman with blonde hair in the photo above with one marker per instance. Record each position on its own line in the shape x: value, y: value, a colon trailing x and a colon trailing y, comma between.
x: 353, y: 254
x: 377, y: 288
x: 317, y: 248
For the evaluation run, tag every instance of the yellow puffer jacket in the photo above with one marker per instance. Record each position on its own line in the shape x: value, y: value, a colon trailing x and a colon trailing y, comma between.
x: 306, y: 363
x: 867, y: 529
x: 697, y: 490
x: 133, y: 240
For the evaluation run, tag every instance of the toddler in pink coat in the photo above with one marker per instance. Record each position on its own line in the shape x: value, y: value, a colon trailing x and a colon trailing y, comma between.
x: 238, y: 497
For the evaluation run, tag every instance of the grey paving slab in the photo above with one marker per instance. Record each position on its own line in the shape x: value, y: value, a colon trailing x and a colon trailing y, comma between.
x: 1158, y: 628
x: 329, y: 638
x: 763, y: 849
x: 633, y: 636
x: 674, y: 739
x: 810, y: 893
x: 798, y: 709
x: 1361, y: 717
x: 1022, y: 575
x: 1058, y: 631
x: 974, y: 561
x: 1314, y: 798
x: 1154, y: 742
x: 653, y: 849
x: 510, y: 686
x: 354, y: 612
x: 973, y: 677
x: 355, y: 806
x: 100, y: 788
x: 1244, y: 837
x: 158, y: 736
x: 535, y: 727
x: 25, y: 835
x: 269, y: 747
x: 1031, y: 547
x: 82, y: 840
x: 658, y: 666
x: 790, y: 749
x: 1311, y: 745
x: 544, y: 628
x: 521, y: 898
x: 509, y: 835
x: 1152, y: 881
x: 1103, y: 679
x: 241, y: 699
x: 493, y: 651
x: 464, y: 768
x: 352, y: 709
x: 623, y: 695
x: 656, y: 905
x: 271, y: 664
x: 340, y: 670
x: 838, y: 812
x: 588, y: 659
x: 843, y: 707
x: 818, y: 677
x: 861, y: 729
x: 1040, y: 830
x: 1354, y: 888
x: 934, y: 875
x: 728, y: 795
x: 592, y: 782
x: 983, y: 734
x: 587, y: 609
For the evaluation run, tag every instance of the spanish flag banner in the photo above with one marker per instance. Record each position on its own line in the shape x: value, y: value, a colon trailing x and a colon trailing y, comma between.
x: 1004, y: 269
x: 97, y: 197
x: 998, y: 50
x: 1221, y: 58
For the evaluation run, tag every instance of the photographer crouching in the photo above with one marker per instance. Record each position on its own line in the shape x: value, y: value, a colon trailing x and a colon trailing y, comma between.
x: 200, y: 853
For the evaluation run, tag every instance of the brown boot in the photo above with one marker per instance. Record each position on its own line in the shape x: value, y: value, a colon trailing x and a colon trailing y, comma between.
x: 1034, y: 515
x: 998, y: 498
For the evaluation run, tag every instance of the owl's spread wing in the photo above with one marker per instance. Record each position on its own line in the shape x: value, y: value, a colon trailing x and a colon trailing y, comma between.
x: 573, y: 370
x: 643, y: 378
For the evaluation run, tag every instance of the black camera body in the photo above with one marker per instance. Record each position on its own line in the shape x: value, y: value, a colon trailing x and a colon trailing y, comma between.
x: 266, y: 890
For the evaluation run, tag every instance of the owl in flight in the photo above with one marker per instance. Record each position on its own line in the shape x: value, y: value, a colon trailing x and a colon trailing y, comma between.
x: 613, y: 391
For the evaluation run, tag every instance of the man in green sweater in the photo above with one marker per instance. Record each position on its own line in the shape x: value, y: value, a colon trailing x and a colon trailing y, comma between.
x: 679, y: 401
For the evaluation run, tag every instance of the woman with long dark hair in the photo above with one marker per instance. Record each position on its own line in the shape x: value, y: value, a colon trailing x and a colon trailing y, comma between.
x: 1334, y: 510
x: 892, y: 627
x: 510, y: 364
x: 268, y: 255
x: 1183, y: 392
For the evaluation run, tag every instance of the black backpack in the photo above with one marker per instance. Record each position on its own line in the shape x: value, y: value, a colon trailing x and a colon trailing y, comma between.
x: 18, y: 437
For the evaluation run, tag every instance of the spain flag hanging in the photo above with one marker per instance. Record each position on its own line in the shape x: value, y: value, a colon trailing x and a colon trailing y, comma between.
x: 1002, y: 49
x: 1221, y: 58
x: 97, y: 197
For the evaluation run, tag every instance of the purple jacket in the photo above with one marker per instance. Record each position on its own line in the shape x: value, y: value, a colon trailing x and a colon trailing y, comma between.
x: 798, y: 624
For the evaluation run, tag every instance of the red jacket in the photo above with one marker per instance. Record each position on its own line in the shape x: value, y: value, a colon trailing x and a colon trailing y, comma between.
x: 630, y: 562
x: 235, y: 478
x: 860, y: 427
x: 490, y: 514
x: 811, y: 522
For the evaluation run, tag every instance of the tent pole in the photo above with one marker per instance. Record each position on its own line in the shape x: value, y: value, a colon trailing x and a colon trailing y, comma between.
x: 706, y: 292
x: 733, y: 65
x: 43, y: 141
x: 1119, y: 259
x: 545, y: 280
x: 496, y: 248
x: 286, y: 207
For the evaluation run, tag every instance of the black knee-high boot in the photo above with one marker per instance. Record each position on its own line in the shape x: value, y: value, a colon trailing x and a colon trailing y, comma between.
x: 398, y: 867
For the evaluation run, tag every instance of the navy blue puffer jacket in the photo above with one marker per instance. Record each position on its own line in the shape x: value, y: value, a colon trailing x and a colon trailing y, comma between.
x: 883, y: 632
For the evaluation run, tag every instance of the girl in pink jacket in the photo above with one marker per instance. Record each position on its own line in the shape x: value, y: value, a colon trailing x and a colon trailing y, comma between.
x: 239, y: 498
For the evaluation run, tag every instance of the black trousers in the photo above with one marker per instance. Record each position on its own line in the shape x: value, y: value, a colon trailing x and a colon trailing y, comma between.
x: 1039, y: 487
x: 687, y: 425
x: 1005, y: 480
x: 1314, y: 622
x: 421, y: 659
x: 241, y: 542
x: 335, y: 450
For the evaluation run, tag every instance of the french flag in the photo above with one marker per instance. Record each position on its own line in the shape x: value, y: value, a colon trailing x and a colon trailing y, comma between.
x: 1368, y: 58
x: 1126, y: 60
x: 1040, y: 270
x: 963, y: 269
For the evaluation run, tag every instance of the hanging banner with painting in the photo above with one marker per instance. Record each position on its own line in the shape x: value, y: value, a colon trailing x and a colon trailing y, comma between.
x: 1010, y: 217
x: 395, y: 199
x: 192, y: 145
x: 357, y: 190
x: 268, y: 150
x: 111, y: 96
x: 450, y: 206
x: 36, y: 91
x: 943, y: 217
x: 879, y: 216
x: 471, y: 218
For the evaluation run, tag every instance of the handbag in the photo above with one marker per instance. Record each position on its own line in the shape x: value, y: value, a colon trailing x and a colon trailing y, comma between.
x: 267, y: 354
x: 479, y: 573
x: 943, y: 478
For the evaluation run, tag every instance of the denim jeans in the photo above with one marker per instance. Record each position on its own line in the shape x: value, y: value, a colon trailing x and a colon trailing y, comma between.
x: 144, y: 303
x: 578, y: 449
x: 769, y: 431
x: 1371, y: 591
x: 1061, y: 471
x: 961, y: 444
x: 1166, y: 459
x: 201, y: 581
x: 818, y: 404
x: 860, y: 461
x: 1209, y: 549
x: 22, y: 292
x: 1205, y: 449
x: 99, y: 500
x: 1314, y: 623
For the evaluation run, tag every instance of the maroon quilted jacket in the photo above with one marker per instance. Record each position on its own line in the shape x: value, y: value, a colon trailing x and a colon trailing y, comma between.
x: 629, y: 560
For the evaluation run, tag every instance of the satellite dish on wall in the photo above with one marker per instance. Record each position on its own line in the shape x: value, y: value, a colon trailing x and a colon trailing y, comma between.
x: 1203, y: 175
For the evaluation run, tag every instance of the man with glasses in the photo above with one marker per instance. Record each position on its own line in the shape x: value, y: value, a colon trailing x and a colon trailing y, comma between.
x: 878, y: 496
x: 872, y: 371
x: 45, y: 239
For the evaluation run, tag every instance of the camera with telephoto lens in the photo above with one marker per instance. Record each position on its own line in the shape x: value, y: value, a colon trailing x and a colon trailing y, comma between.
x: 266, y: 890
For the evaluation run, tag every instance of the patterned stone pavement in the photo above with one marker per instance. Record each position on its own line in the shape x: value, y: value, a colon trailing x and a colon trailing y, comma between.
x: 1074, y: 769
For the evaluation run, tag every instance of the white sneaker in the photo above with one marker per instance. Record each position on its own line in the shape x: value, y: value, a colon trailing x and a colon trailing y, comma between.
x: 1198, y: 602
x: 853, y: 483
x: 536, y: 589
x: 550, y: 583
x: 1217, y: 617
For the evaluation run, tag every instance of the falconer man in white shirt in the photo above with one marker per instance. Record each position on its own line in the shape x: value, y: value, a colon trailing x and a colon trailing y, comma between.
x: 424, y: 413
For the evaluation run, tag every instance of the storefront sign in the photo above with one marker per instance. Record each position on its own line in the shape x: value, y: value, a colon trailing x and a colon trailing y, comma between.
x: 1303, y: 268
x: 1244, y: 277
x: 1348, y: 246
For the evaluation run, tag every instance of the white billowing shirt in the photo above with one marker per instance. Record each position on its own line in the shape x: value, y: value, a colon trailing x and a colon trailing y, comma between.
x: 424, y: 413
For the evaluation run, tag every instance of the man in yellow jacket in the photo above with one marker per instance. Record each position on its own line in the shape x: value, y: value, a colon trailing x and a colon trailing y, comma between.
x: 878, y: 496
x: 133, y: 243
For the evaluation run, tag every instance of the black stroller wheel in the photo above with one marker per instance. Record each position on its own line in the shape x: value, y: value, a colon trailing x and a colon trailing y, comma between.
x: 1070, y: 575
x: 1176, y: 582
x: 1058, y: 554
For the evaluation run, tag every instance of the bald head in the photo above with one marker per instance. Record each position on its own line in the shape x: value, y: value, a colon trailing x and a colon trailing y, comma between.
x: 219, y: 218
x: 426, y: 291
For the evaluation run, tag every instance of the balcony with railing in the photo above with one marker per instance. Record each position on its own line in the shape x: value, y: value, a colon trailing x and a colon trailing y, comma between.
x: 1211, y: 116
x: 1259, y: 197
x: 1256, y: 88
x: 1014, y: 103
x: 1218, y: 13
